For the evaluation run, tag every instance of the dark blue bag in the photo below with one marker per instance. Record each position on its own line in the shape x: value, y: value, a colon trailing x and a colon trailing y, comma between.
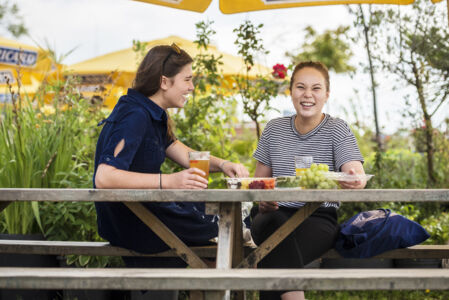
x: 370, y: 233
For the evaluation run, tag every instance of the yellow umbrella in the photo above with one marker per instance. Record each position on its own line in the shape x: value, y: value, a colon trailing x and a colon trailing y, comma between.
x: 237, y: 6
x: 113, y: 72
x: 30, y: 63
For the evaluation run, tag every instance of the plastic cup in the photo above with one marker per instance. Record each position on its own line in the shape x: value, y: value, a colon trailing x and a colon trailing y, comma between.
x: 200, y: 160
x: 302, y: 163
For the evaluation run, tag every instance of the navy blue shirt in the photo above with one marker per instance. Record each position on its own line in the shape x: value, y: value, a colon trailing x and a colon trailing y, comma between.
x: 142, y: 125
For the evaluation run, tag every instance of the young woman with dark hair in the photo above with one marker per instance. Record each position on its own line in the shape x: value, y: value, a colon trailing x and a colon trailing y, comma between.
x: 133, y: 144
x: 308, y: 133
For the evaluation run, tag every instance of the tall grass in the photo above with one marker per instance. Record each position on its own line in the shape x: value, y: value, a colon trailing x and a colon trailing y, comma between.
x: 45, y: 146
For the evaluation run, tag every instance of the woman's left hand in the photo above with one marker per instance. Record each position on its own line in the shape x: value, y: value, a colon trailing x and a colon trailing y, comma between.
x: 234, y: 170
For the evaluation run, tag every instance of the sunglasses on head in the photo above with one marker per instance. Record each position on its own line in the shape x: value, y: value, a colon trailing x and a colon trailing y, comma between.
x: 175, y: 49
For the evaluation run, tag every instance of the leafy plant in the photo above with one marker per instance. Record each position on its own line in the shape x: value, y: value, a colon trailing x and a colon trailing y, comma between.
x: 51, y: 146
x: 255, y: 93
x: 74, y: 221
x: 11, y: 20
x: 330, y: 48
x: 438, y: 228
x: 416, y: 42
x: 203, y: 122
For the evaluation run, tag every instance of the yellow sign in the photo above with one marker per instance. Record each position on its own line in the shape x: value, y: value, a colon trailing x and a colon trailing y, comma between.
x: 30, y: 64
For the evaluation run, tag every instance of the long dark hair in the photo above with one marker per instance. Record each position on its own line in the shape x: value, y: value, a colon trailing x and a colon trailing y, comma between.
x: 160, y: 61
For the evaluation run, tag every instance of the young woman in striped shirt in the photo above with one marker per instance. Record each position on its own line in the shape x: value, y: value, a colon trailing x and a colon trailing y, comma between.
x: 310, y: 132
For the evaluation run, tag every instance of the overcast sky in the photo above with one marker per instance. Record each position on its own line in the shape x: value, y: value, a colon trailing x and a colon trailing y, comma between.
x: 100, y: 26
x: 95, y: 27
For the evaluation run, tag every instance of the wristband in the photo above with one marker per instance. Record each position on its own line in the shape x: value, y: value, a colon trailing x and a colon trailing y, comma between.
x: 160, y: 181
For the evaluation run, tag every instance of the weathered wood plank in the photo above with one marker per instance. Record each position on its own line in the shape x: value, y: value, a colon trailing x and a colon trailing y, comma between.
x: 88, y: 248
x: 166, y: 235
x: 226, y: 228
x: 118, y: 195
x: 237, y: 251
x: 279, y: 235
x: 105, y: 249
x: 214, y: 279
x: 418, y: 251
x: 225, y: 245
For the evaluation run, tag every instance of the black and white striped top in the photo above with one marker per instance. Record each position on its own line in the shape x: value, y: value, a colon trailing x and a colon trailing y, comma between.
x: 331, y: 142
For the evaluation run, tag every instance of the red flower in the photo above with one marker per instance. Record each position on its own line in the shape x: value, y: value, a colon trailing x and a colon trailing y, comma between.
x: 279, y: 71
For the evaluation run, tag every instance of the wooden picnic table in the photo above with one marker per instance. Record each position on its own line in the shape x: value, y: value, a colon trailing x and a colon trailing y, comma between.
x: 227, y: 204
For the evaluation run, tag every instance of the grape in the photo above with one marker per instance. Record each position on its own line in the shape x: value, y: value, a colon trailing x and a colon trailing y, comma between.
x: 313, y: 178
x: 287, y: 182
x: 323, y: 167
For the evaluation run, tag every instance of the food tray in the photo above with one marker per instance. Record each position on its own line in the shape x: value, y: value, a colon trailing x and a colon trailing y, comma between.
x: 283, y: 182
x: 263, y: 183
x: 341, y: 176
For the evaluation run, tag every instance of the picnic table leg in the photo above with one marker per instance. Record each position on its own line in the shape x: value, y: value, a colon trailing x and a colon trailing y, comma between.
x: 4, y: 205
x: 237, y: 253
x: 279, y: 235
x: 225, y: 246
x: 226, y: 230
x: 166, y: 235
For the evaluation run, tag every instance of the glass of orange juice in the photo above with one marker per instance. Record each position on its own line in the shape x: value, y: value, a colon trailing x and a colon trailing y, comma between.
x: 302, y: 163
x: 200, y: 160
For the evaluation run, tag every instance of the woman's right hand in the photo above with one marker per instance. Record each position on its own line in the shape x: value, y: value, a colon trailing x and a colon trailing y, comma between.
x: 186, y: 179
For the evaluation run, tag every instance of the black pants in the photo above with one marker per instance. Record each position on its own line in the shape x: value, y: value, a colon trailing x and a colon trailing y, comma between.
x: 314, y: 237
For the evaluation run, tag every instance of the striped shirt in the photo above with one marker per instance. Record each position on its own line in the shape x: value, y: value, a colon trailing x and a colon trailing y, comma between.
x: 331, y: 142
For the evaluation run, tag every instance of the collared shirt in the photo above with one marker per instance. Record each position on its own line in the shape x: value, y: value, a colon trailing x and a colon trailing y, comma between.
x: 142, y: 125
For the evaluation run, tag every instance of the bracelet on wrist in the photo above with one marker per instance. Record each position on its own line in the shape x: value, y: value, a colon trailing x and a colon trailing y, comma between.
x: 160, y: 181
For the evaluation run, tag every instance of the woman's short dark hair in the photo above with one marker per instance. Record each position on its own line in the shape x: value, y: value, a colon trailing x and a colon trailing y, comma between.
x: 160, y: 61
x: 312, y: 64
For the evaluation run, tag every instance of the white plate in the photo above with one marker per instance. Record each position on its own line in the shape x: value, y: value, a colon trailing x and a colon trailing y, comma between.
x: 341, y: 176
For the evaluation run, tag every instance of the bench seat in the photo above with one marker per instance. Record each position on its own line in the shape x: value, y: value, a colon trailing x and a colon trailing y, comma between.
x: 216, y: 279
x: 105, y: 249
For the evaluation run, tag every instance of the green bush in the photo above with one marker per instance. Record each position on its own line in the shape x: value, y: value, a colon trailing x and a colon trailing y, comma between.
x: 51, y: 146
x: 399, y: 169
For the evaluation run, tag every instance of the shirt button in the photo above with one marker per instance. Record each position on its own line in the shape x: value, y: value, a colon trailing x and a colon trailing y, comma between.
x: 108, y: 159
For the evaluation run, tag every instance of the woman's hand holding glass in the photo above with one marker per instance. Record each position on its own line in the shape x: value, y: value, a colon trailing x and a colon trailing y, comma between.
x: 186, y: 179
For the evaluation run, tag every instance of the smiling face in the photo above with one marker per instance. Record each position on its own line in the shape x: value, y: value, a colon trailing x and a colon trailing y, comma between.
x: 177, y: 88
x: 309, y: 93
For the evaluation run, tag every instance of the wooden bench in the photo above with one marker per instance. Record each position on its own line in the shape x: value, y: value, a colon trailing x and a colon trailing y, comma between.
x: 105, y: 249
x: 215, y: 279
x: 230, y: 257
